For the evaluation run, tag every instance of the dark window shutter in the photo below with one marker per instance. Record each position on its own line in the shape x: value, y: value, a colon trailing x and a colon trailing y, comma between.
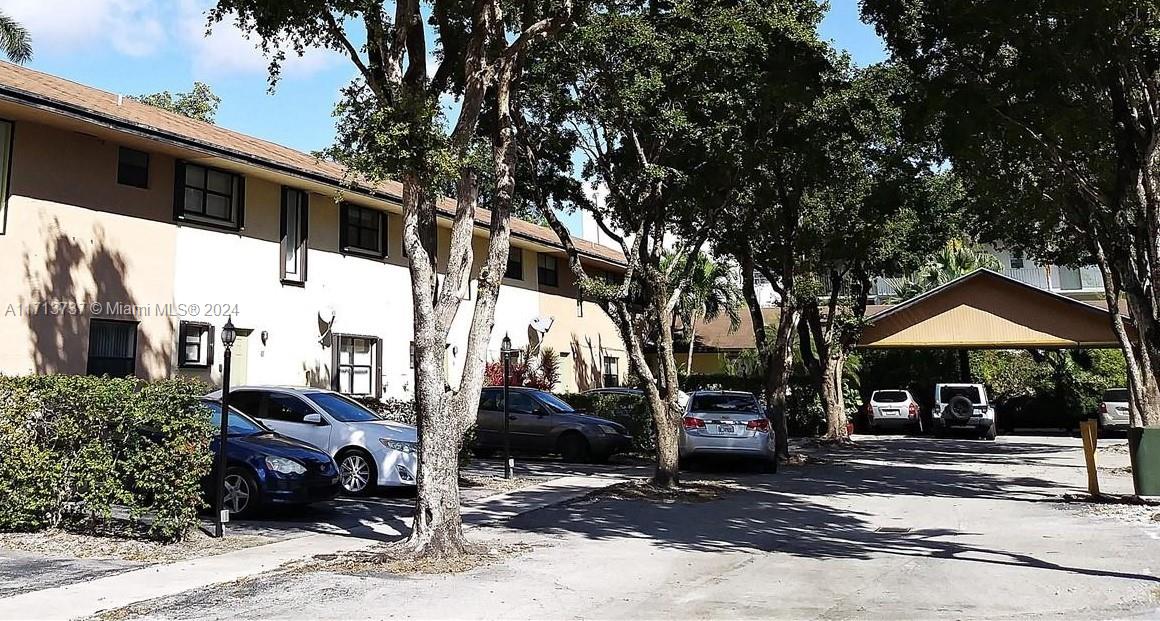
x: 378, y: 368
x: 178, y: 189
x: 383, y: 230
x: 342, y: 220
x: 335, y: 340
x: 241, y: 202
x: 182, y: 333
x: 282, y: 241
x: 304, y: 222
x: 209, y: 348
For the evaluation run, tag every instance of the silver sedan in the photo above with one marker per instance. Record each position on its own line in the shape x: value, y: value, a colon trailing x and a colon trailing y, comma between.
x: 727, y: 423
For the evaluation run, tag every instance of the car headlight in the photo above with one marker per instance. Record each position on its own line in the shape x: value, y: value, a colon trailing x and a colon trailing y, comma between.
x: 399, y: 445
x: 284, y: 465
x: 609, y: 429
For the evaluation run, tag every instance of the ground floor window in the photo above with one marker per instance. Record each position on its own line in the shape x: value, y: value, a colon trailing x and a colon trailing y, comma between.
x: 195, y: 347
x: 112, y: 348
x: 357, y: 364
x: 611, y: 372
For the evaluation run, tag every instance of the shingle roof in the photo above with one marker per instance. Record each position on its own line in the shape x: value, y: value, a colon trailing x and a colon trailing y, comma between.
x: 26, y: 86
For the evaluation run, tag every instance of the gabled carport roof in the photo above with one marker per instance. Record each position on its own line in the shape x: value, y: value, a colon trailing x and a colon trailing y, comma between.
x: 987, y: 310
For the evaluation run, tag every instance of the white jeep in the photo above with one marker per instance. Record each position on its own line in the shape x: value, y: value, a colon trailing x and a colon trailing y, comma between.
x: 963, y: 406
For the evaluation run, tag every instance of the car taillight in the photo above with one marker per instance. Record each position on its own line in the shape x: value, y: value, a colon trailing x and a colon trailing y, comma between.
x: 1103, y: 408
x: 692, y: 422
x: 914, y: 410
x: 869, y: 409
x: 760, y: 424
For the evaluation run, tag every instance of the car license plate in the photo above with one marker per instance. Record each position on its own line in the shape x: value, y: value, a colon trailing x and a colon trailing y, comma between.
x: 890, y: 412
x: 724, y: 428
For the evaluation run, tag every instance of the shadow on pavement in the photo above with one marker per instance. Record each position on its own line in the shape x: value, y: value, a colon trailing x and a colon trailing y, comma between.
x: 777, y: 513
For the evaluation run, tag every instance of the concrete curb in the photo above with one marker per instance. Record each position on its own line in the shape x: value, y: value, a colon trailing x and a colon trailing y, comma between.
x: 89, y: 598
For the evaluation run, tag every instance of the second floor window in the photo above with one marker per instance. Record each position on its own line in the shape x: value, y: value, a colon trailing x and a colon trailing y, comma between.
x: 515, y: 266
x: 132, y: 167
x: 548, y: 271
x: 209, y: 196
x: 363, y: 230
x: 295, y: 216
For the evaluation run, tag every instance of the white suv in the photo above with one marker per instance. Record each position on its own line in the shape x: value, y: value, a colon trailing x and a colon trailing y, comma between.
x: 963, y: 406
x: 893, y: 408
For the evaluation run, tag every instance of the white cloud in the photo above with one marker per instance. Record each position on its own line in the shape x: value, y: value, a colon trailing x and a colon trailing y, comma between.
x: 227, y: 51
x: 131, y: 27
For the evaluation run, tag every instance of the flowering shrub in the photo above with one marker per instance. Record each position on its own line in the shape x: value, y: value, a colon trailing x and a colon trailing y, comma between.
x: 541, y: 372
x: 73, y: 449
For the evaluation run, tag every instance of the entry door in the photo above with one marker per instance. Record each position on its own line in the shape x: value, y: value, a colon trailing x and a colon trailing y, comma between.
x: 240, y: 362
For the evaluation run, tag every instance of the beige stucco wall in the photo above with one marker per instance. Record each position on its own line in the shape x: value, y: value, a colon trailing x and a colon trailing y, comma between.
x: 73, y: 235
x: 585, y: 340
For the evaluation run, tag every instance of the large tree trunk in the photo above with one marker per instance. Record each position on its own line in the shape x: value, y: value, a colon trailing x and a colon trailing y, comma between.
x: 777, y: 378
x: 833, y: 400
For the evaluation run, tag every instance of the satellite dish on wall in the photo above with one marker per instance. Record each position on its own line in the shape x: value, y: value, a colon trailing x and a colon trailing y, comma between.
x: 326, y: 317
x: 537, y: 328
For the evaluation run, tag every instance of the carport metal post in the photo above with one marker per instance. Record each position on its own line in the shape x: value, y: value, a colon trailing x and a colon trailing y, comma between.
x: 505, y: 352
x: 220, y: 514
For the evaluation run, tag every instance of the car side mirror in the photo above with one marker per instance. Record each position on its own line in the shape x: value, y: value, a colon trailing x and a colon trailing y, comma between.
x: 313, y: 419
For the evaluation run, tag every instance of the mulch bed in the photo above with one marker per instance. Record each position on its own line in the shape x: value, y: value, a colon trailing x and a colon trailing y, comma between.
x: 62, y: 543
x: 391, y: 559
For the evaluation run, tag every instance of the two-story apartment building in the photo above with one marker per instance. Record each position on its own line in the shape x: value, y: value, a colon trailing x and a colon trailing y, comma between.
x: 129, y: 234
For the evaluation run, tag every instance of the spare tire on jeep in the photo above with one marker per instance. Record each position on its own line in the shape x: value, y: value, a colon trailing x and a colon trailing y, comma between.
x: 959, y: 408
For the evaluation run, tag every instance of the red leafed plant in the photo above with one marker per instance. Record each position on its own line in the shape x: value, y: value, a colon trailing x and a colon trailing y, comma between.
x: 541, y: 372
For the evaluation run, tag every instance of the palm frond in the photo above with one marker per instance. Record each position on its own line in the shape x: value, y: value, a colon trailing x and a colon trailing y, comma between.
x: 15, y: 40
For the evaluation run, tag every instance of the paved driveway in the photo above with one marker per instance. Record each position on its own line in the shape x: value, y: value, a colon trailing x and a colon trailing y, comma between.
x: 897, y: 528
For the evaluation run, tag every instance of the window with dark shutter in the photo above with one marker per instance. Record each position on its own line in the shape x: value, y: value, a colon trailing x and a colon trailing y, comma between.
x: 292, y: 252
x: 195, y: 345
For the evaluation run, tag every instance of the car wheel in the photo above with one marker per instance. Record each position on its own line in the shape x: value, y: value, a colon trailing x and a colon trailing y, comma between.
x: 356, y: 472
x: 573, y: 447
x: 240, y: 495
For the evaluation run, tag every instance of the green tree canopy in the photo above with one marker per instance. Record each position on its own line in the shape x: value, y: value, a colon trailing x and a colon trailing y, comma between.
x: 199, y: 103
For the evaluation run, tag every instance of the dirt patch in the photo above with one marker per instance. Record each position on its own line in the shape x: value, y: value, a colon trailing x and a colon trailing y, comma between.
x: 496, y: 484
x: 1130, y: 509
x: 392, y: 560
x: 61, y: 543
x: 1113, y: 448
x: 643, y: 489
x: 796, y: 460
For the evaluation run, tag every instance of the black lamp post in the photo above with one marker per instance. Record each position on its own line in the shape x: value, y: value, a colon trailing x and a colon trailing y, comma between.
x: 229, y: 334
x: 505, y: 352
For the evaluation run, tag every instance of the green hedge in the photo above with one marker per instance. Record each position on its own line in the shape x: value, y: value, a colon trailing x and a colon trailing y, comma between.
x: 102, y: 455
x: 628, y: 410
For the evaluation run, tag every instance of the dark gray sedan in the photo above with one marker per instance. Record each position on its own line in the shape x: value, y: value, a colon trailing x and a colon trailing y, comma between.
x: 542, y: 423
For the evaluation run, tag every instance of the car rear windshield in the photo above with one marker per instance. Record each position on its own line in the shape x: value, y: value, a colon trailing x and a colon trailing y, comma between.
x: 723, y: 403
x: 970, y: 392
x: 342, y: 409
x: 1117, y: 394
x: 890, y: 396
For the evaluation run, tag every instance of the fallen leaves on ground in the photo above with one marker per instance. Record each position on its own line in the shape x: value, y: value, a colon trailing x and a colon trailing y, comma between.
x: 644, y: 489
x: 393, y: 560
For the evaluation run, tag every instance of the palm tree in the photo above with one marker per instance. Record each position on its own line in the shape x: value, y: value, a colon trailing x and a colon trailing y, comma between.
x: 15, y: 41
x: 711, y: 292
x: 959, y: 257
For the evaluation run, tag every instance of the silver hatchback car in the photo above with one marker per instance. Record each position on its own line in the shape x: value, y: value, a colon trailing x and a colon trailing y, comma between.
x: 727, y: 423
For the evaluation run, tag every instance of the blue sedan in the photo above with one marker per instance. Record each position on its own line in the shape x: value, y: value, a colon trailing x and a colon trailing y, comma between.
x: 264, y: 468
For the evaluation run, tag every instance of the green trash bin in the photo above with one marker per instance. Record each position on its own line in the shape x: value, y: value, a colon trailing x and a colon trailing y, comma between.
x: 1144, y: 446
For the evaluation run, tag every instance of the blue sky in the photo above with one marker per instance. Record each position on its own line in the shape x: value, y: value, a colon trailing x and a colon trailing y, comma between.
x: 134, y: 47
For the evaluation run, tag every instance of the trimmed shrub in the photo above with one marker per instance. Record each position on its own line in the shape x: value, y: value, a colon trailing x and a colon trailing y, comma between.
x: 628, y: 410
x: 394, y: 410
x: 75, y: 450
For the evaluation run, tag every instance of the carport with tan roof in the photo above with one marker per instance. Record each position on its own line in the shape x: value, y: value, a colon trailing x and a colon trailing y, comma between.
x: 987, y: 310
